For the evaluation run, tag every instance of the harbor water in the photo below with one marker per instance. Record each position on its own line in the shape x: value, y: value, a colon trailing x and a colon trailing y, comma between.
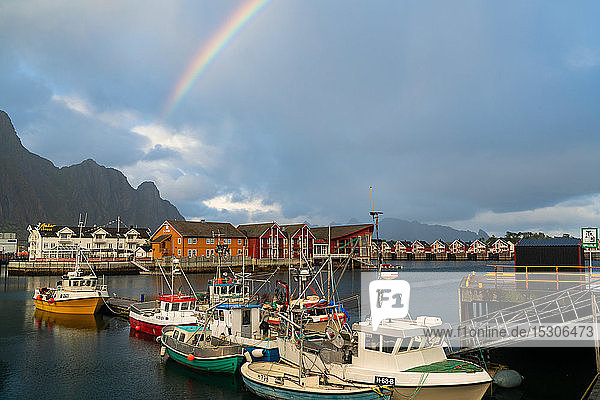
x: 45, y: 355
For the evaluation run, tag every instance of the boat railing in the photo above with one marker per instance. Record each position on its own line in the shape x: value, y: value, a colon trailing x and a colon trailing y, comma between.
x: 216, y: 348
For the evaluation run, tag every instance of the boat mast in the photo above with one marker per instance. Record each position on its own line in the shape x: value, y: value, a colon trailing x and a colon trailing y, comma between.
x: 375, y: 217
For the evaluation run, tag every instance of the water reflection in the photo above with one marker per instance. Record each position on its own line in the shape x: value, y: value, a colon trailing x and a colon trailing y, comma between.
x: 212, y: 386
x: 52, y: 320
x: 142, y: 336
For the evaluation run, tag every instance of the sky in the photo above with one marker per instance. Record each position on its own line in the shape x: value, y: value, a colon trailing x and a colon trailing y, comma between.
x: 472, y: 114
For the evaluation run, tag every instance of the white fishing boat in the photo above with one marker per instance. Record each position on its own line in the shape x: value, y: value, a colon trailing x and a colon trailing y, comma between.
x: 235, y: 319
x: 276, y: 381
x: 399, y: 354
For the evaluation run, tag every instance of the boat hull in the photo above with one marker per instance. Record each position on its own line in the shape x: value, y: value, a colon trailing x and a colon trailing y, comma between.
x: 269, y: 355
x: 146, y: 327
x: 224, y: 365
x: 84, y: 306
x: 462, y: 392
x: 265, y: 386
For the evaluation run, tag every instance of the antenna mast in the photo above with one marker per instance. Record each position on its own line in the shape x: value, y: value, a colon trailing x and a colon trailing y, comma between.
x: 375, y: 217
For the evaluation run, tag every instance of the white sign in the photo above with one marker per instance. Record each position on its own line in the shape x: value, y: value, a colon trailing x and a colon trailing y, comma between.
x: 389, y: 299
x: 589, y: 237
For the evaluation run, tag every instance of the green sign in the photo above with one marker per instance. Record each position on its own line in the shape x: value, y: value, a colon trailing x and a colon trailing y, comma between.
x: 589, y: 238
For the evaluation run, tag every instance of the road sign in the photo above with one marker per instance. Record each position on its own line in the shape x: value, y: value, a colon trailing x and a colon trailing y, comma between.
x: 589, y: 238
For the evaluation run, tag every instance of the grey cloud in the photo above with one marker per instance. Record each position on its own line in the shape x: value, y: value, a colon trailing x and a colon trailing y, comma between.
x: 445, y: 108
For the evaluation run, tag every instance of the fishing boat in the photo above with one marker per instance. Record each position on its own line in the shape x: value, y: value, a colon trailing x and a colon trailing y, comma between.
x: 235, y: 319
x: 272, y: 380
x: 151, y: 317
x: 76, y: 293
x: 170, y: 309
x: 399, y: 353
x: 196, y: 348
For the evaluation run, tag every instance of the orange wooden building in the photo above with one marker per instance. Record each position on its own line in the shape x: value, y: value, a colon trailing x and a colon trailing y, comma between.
x: 191, y: 239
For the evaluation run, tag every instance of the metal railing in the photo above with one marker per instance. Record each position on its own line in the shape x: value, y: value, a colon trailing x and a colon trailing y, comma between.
x: 532, y: 277
x: 572, y: 305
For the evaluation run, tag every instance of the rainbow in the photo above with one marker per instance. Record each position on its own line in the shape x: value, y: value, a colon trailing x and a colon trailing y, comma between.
x: 211, y: 50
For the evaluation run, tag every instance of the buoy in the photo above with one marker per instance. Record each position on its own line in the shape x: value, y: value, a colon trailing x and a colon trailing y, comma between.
x: 508, y: 378
x: 258, y: 353
x: 39, y: 297
x: 190, y: 357
x: 248, y: 356
x: 50, y: 300
x: 137, y: 327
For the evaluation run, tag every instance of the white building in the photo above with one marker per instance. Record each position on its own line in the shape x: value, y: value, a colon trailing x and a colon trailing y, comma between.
x: 8, y: 243
x: 61, y: 242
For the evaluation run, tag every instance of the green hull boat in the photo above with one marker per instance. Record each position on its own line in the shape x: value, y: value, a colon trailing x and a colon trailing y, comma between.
x: 187, y: 346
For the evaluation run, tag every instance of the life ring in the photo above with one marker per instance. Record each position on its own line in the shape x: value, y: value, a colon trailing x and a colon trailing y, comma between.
x: 51, y: 300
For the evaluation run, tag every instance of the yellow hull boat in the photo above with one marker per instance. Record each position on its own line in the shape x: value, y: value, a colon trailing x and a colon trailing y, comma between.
x: 87, y: 306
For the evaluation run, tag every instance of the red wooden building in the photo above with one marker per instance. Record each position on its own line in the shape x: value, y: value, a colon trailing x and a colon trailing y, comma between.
x: 265, y: 241
x: 300, y: 239
x: 345, y: 239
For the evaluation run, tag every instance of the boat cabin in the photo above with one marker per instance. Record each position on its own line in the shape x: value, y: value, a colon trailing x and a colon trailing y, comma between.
x: 398, y: 344
x: 192, y: 335
x: 243, y: 321
x: 176, y: 302
x: 77, y: 283
x: 227, y: 291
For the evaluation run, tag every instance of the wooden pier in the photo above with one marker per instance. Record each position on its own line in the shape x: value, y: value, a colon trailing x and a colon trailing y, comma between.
x: 119, y: 306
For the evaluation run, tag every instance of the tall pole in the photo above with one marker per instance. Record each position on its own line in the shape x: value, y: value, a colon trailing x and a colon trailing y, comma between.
x: 375, y: 216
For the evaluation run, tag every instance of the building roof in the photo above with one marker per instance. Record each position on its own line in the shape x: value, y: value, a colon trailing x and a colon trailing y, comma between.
x: 291, y: 229
x: 88, y: 231
x: 206, y: 229
x: 339, y: 231
x: 255, y: 230
x: 558, y: 242
x: 161, y: 238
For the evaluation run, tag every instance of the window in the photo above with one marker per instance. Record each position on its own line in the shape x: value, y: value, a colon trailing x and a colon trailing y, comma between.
x: 178, y: 252
x: 175, y: 335
x: 416, y: 343
x: 388, y: 343
x: 192, y: 252
x: 221, y: 315
x: 167, y: 307
x: 371, y: 341
x: 239, y: 252
x: 404, y: 344
x: 175, y: 307
x: 245, y: 317
x: 184, y: 306
x: 239, y: 241
x: 182, y: 337
x: 192, y: 240
x: 178, y: 240
x: 75, y: 283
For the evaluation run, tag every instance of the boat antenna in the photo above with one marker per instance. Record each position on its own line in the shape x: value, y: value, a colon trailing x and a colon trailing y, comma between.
x: 375, y: 217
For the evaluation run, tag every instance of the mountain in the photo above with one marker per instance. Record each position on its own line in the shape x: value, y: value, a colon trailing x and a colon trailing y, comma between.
x: 33, y: 190
x: 398, y: 229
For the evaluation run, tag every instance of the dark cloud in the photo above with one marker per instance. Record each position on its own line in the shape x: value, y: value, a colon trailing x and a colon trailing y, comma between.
x: 446, y: 109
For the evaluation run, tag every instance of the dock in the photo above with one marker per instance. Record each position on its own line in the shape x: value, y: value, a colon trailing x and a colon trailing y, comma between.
x: 119, y: 306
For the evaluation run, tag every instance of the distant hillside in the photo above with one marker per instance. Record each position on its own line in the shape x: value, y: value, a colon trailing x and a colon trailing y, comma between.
x: 398, y: 229
x: 33, y: 190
